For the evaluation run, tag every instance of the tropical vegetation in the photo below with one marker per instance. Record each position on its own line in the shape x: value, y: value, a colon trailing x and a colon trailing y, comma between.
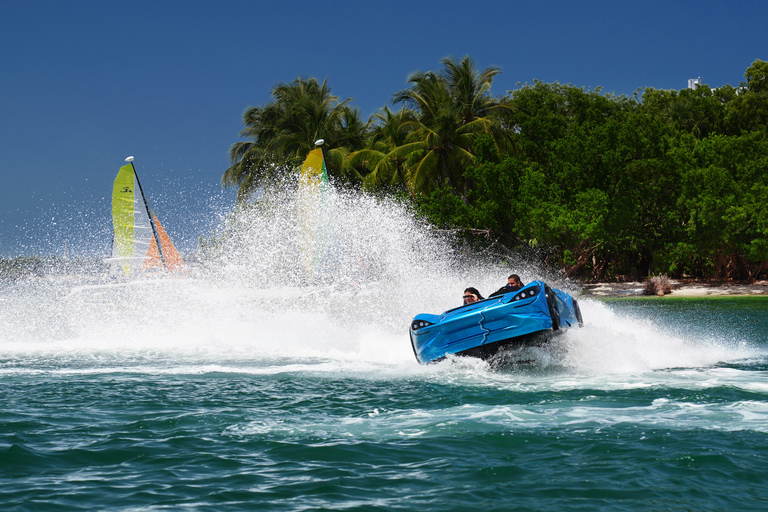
x: 601, y: 185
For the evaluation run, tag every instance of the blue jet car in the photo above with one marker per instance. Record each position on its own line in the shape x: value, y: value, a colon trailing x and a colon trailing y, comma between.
x: 529, y: 316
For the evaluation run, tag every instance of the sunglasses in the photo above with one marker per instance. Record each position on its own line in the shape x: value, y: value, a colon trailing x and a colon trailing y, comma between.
x: 469, y: 297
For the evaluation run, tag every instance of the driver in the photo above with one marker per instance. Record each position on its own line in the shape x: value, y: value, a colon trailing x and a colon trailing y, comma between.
x: 513, y: 284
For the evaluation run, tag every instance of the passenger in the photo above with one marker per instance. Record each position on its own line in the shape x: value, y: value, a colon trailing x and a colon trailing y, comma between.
x: 472, y: 295
x: 513, y: 284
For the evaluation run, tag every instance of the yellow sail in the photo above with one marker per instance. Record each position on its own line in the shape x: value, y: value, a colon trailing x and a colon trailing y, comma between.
x: 313, y: 210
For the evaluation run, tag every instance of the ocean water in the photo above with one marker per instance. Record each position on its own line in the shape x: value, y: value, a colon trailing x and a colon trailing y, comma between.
x: 228, y: 392
x: 651, y: 406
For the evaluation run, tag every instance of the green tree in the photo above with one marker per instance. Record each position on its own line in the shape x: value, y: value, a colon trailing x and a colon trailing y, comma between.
x: 451, y: 108
x: 587, y: 179
x: 724, y: 196
x: 748, y: 111
x: 282, y: 132
x: 605, y: 186
x: 757, y: 76
x: 383, y: 161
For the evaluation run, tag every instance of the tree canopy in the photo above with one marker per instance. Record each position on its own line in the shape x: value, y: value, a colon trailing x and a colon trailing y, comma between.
x: 604, y: 186
x: 281, y: 133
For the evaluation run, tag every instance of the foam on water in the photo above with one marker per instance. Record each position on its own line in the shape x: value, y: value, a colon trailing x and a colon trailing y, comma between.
x: 462, y: 420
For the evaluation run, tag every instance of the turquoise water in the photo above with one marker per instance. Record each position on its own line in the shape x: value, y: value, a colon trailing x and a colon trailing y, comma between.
x: 223, y: 401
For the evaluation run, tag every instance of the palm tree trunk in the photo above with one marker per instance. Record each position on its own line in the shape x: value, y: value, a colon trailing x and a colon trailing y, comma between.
x: 447, y: 176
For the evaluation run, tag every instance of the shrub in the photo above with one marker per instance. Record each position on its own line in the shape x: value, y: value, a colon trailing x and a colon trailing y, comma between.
x: 658, y: 285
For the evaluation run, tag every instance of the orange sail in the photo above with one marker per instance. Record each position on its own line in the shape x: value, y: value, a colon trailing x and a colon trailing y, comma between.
x: 173, y: 261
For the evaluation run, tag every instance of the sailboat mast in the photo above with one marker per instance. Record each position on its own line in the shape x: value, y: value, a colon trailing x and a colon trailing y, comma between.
x: 319, y: 143
x: 149, y: 213
x: 324, y: 174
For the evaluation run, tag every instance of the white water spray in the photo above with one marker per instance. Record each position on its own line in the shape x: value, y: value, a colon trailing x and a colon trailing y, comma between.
x: 252, y: 304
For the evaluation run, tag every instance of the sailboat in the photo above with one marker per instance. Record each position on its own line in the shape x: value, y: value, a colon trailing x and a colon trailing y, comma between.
x: 140, y: 245
x: 315, y: 212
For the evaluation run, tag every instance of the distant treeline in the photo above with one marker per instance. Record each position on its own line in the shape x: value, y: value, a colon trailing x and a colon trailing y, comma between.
x: 23, y: 267
x: 603, y: 186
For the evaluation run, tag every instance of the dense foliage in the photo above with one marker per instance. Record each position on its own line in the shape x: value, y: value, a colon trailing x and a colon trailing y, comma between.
x: 603, y: 186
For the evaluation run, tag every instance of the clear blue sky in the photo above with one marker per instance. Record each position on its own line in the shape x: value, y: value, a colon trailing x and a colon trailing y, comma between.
x: 83, y: 84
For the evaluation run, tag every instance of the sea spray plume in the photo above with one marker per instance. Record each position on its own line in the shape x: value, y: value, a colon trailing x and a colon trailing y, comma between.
x: 256, y: 247
x: 252, y: 299
x: 383, y: 266
x: 378, y: 249
x: 254, y: 304
x: 613, y: 342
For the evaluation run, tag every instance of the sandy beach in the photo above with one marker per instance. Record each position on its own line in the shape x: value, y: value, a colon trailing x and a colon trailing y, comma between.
x: 679, y: 289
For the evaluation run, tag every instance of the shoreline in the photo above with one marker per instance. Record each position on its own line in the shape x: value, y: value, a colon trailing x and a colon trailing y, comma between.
x: 687, y: 289
x: 607, y: 290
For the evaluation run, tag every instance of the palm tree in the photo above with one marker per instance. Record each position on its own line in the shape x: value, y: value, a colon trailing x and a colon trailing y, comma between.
x: 384, y: 158
x: 282, y: 132
x: 254, y: 162
x: 471, y: 88
x: 452, y: 107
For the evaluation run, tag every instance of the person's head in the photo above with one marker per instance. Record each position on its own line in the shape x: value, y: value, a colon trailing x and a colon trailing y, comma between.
x: 514, y: 280
x: 472, y: 295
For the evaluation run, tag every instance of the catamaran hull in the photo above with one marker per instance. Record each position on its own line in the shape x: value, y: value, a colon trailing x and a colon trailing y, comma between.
x: 528, y: 317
